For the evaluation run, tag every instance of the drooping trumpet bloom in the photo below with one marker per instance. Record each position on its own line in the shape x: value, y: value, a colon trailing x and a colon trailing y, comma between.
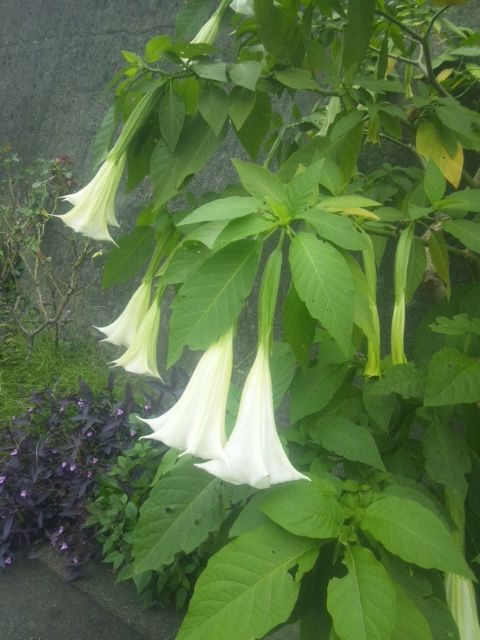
x: 254, y: 454
x: 463, y: 605
x: 196, y: 423
x: 141, y: 355
x: 373, y: 366
x: 242, y: 6
x: 209, y: 31
x: 94, y: 205
x: 125, y: 327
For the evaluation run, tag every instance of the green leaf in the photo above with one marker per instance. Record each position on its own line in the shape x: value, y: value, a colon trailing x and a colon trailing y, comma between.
x: 103, y: 137
x: 410, y: 622
x: 379, y: 408
x: 323, y: 281
x: 404, y: 379
x: 349, y: 440
x: 156, y: 47
x: 245, y: 74
x: 295, y: 78
x: 279, y: 32
x: 441, y: 261
x: 215, y: 70
x: 466, y: 231
x: 182, y: 510
x: 241, y: 103
x: 362, y: 604
x: 467, y: 201
x: 313, y: 390
x: 433, y: 182
x: 256, y: 124
x: 222, y: 209
x: 250, y: 517
x: 357, y: 33
x: 415, y: 534
x: 340, y: 203
x: 171, y: 116
x: 298, y: 326
x: 456, y: 326
x: 241, y: 228
x: 209, y: 302
x: 259, y: 182
x: 452, y: 378
x: 186, y: 259
x: 130, y: 254
x: 248, y: 588
x: 417, y: 263
x: 213, y: 105
x: 337, y: 229
x: 208, y: 233
x: 282, y: 368
x: 309, y: 509
x: 447, y: 457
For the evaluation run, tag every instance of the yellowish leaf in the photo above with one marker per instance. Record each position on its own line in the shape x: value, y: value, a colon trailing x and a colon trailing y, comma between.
x: 359, y: 212
x: 430, y: 145
x: 444, y: 74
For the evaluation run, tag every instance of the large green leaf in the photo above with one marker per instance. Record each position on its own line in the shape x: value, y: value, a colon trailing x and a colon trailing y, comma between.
x: 309, y: 509
x: 103, y: 137
x: 187, y: 258
x: 362, y: 604
x: 222, y: 209
x: 466, y: 231
x: 313, y: 389
x: 335, y: 228
x: 295, y: 78
x: 248, y: 587
x: 415, y: 534
x: 404, y: 379
x: 209, y: 302
x: 131, y: 252
x: 279, y: 32
x: 183, y: 508
x: 256, y: 125
x: 213, y: 105
x: 467, y: 200
x: 452, y: 378
x: 447, y: 458
x: 241, y: 103
x: 171, y: 116
x: 440, y: 258
x: 349, y: 440
x: 245, y: 73
x: 298, y: 326
x: 410, y: 623
x: 357, y: 33
x: 324, y: 282
x: 259, y: 181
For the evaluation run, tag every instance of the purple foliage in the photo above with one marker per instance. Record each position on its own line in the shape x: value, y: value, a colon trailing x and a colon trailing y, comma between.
x: 50, y: 459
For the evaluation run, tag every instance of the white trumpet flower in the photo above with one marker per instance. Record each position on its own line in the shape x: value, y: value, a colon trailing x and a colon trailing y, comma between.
x: 141, y: 355
x: 209, y: 31
x: 196, y: 423
x: 243, y: 6
x: 254, y: 454
x: 125, y: 327
x: 94, y: 205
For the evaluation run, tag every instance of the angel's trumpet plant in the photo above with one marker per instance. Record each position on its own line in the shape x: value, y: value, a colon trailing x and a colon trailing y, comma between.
x: 402, y: 258
x: 254, y: 454
x: 125, y: 327
x: 209, y: 31
x: 94, y: 205
x: 141, y: 355
x: 196, y: 423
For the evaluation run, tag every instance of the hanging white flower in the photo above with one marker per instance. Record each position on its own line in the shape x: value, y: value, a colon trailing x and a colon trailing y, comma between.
x: 196, y: 423
x: 94, y: 205
x: 254, y: 454
x: 141, y: 355
x: 125, y: 327
x: 461, y: 599
x: 243, y: 6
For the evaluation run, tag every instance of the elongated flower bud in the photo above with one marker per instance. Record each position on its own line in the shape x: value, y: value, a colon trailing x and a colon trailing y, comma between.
x: 372, y: 367
x: 209, y: 31
x: 402, y: 258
